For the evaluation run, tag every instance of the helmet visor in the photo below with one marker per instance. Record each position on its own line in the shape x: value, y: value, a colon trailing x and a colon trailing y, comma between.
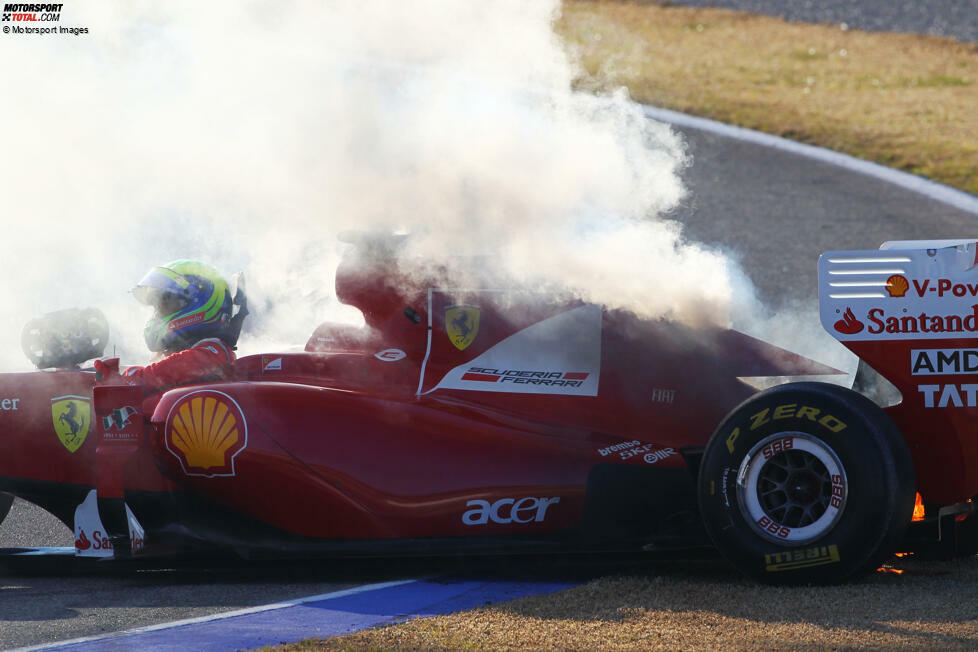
x: 163, y: 289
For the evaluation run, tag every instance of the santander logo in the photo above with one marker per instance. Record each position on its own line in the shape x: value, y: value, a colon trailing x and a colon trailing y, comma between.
x: 101, y: 541
x: 848, y: 325
x: 82, y: 542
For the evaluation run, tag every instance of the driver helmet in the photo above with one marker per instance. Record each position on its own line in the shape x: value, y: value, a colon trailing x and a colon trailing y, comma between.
x: 191, y: 301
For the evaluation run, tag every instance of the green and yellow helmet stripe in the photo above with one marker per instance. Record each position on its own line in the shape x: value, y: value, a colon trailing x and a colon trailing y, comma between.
x: 206, y: 311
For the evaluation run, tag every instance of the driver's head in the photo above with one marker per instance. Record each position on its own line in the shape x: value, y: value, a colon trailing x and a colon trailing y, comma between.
x: 191, y: 302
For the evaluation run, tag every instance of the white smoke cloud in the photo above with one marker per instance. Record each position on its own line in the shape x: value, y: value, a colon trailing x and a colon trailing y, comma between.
x: 250, y: 134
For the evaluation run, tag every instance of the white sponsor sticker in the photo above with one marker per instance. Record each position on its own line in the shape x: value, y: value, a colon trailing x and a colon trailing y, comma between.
x: 9, y: 404
x: 614, y: 448
x: 661, y: 454
x: 390, y: 355
x: 913, y: 291
x: 950, y: 395
x: 558, y: 355
x: 942, y: 362
x: 508, y: 510
x: 90, y: 537
x: 660, y: 395
x: 639, y: 450
x: 137, y: 535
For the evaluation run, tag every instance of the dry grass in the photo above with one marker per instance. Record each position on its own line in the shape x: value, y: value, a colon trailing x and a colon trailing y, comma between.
x: 903, y: 100
x: 930, y: 606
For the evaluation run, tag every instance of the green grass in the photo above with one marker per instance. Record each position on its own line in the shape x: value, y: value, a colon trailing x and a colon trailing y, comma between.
x: 902, y: 100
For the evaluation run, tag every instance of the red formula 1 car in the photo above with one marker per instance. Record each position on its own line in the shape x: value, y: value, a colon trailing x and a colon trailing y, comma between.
x: 495, y: 420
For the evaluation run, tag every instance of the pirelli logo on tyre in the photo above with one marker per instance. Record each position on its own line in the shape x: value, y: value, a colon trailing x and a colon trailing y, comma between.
x: 787, y: 411
x: 802, y: 558
x: 793, y: 411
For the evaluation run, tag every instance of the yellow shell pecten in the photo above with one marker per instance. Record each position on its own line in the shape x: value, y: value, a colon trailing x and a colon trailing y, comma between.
x: 203, y: 429
x: 897, y: 285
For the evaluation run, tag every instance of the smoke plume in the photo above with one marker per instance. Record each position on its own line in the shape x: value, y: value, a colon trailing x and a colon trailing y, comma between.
x: 250, y: 134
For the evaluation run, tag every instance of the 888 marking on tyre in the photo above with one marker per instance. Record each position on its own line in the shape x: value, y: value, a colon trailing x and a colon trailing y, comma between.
x: 792, y: 488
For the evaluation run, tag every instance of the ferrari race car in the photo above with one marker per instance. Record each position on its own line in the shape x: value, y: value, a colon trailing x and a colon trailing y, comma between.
x: 489, y: 420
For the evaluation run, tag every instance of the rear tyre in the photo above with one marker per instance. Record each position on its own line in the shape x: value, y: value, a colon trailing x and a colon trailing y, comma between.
x: 806, y: 483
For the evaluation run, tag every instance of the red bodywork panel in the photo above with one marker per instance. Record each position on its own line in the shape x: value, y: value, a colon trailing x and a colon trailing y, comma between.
x: 942, y: 441
x: 451, y: 415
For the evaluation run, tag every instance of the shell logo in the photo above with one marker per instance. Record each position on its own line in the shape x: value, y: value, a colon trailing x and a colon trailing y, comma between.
x: 897, y: 285
x: 205, y: 430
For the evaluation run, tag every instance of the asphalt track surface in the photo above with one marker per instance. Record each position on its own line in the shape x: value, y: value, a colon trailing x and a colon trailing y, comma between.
x: 956, y: 19
x: 774, y: 210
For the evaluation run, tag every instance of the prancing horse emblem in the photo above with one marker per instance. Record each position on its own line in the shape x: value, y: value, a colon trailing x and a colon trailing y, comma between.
x: 72, y: 415
x: 462, y: 325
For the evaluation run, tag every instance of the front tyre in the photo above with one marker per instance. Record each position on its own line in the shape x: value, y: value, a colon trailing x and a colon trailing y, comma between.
x: 806, y: 483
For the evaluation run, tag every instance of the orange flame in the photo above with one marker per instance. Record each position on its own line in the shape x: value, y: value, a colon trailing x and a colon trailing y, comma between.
x: 918, y: 509
x: 963, y: 515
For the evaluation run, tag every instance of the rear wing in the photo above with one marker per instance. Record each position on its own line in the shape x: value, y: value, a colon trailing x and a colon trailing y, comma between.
x: 906, y: 290
x: 910, y: 311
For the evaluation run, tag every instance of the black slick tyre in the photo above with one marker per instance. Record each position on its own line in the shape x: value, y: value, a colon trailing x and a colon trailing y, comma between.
x: 806, y: 483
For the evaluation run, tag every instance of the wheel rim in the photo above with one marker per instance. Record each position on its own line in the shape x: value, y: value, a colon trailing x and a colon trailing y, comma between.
x: 792, y: 488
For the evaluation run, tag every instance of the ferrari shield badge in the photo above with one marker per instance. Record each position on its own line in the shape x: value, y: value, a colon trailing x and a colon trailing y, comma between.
x: 462, y: 325
x: 72, y: 416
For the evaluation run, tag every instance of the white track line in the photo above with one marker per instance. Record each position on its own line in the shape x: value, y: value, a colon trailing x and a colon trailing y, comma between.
x: 221, y: 616
x: 939, y: 192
